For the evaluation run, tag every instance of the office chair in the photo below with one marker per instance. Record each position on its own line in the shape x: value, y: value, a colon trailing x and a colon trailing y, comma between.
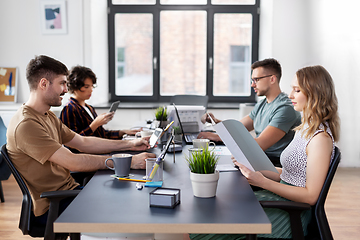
x: 4, y: 175
x: 27, y: 226
x: 197, y: 100
x: 318, y: 227
x: 4, y: 169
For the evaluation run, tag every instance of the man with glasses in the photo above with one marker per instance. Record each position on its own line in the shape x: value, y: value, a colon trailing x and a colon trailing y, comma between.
x: 272, y: 118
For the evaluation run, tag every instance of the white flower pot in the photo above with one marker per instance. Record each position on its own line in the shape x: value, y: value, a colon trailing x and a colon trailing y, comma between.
x: 204, y: 185
x: 157, y: 124
x: 163, y: 124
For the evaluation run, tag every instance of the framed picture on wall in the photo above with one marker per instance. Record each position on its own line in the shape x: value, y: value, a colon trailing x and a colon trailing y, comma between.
x: 53, y: 16
x: 8, y: 84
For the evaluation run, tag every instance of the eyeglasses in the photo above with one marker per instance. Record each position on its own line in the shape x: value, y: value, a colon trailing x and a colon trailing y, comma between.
x: 255, y: 80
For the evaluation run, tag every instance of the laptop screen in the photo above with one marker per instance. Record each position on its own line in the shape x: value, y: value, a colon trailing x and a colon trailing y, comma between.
x: 187, y: 117
x: 177, y: 115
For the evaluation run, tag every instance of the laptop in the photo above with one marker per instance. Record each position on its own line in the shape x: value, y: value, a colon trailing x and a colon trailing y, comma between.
x: 188, y: 137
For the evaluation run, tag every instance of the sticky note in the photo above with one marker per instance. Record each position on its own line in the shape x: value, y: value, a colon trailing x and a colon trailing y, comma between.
x: 154, y: 184
x: 2, y: 71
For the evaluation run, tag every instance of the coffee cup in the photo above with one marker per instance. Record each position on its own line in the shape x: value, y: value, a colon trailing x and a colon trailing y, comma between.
x: 122, y: 164
x: 203, y: 143
x: 195, y: 150
x: 144, y: 133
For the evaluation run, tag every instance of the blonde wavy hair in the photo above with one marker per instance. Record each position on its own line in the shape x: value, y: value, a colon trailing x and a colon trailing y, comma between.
x: 322, y: 105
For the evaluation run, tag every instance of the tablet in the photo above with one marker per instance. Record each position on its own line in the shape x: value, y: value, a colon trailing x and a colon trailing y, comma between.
x: 114, y: 106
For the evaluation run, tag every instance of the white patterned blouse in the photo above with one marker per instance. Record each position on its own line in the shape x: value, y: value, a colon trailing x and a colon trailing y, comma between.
x: 294, y: 159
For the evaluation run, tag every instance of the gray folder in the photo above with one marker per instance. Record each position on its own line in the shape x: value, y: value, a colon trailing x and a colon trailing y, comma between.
x: 243, y: 146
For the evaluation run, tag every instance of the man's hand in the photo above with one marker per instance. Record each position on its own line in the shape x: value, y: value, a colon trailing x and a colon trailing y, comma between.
x: 205, y: 118
x: 140, y: 144
x: 131, y: 132
x: 138, y: 160
x: 209, y: 135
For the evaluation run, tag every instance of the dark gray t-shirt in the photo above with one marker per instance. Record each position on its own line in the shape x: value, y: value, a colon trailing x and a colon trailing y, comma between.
x: 281, y: 114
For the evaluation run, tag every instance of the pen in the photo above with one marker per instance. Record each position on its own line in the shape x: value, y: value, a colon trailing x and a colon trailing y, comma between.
x: 212, y: 121
x: 167, y: 127
x: 129, y: 179
x: 10, y: 82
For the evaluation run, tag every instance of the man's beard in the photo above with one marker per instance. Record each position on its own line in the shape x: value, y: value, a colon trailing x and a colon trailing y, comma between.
x: 55, y: 101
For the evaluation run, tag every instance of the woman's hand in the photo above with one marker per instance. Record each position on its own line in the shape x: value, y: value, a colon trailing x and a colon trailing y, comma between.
x: 254, y: 178
x: 102, y: 119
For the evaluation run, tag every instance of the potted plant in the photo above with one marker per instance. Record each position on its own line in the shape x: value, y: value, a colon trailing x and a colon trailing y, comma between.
x: 161, y: 116
x: 177, y: 134
x: 203, y: 174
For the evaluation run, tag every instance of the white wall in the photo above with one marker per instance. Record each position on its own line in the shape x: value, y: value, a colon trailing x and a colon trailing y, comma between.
x: 325, y: 32
x: 283, y: 35
x: 21, y: 38
x: 296, y: 32
x: 335, y: 41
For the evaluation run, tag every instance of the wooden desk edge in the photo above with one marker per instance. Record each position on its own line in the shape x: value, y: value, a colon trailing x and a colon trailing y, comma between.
x: 161, y: 228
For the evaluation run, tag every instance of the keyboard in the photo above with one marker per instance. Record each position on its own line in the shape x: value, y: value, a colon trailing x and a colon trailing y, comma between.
x: 190, y: 137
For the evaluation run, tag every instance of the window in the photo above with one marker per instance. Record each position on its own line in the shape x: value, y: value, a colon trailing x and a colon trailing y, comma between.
x: 120, y: 62
x: 182, y: 52
x: 232, y: 44
x: 160, y: 48
x: 239, y: 70
x: 134, y: 46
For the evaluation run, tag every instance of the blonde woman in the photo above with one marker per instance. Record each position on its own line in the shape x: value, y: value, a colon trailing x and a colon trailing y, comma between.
x: 305, y: 161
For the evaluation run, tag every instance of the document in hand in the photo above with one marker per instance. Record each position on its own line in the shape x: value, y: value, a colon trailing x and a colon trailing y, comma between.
x: 243, y: 146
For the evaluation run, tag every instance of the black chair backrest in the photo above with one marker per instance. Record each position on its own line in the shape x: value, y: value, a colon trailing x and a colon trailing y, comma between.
x: 190, y: 100
x: 4, y: 169
x: 323, y: 225
x: 24, y: 223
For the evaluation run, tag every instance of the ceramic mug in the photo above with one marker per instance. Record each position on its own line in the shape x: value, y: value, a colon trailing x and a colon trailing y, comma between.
x: 122, y: 164
x: 144, y: 133
x: 195, y: 150
x: 202, y: 143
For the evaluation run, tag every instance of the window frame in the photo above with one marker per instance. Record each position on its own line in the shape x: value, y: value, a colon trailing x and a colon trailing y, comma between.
x: 155, y: 10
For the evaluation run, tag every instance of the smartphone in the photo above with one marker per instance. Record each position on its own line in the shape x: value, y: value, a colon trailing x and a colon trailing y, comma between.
x: 114, y: 106
x: 155, y: 137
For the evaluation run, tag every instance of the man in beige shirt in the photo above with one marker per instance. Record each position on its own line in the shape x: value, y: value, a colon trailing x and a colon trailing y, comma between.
x: 36, y: 138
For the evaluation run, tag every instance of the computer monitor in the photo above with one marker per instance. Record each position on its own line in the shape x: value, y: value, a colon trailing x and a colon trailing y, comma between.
x: 190, y: 117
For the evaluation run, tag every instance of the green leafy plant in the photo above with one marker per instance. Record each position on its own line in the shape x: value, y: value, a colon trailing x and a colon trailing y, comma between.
x: 177, y: 130
x: 159, y: 112
x: 202, y: 162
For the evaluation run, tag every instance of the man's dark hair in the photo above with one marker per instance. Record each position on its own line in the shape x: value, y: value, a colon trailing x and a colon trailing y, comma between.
x: 44, y: 67
x: 269, y: 64
x: 77, y: 77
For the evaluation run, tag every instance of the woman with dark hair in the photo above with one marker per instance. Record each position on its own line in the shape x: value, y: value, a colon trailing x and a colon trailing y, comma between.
x: 81, y: 117
x: 305, y: 161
